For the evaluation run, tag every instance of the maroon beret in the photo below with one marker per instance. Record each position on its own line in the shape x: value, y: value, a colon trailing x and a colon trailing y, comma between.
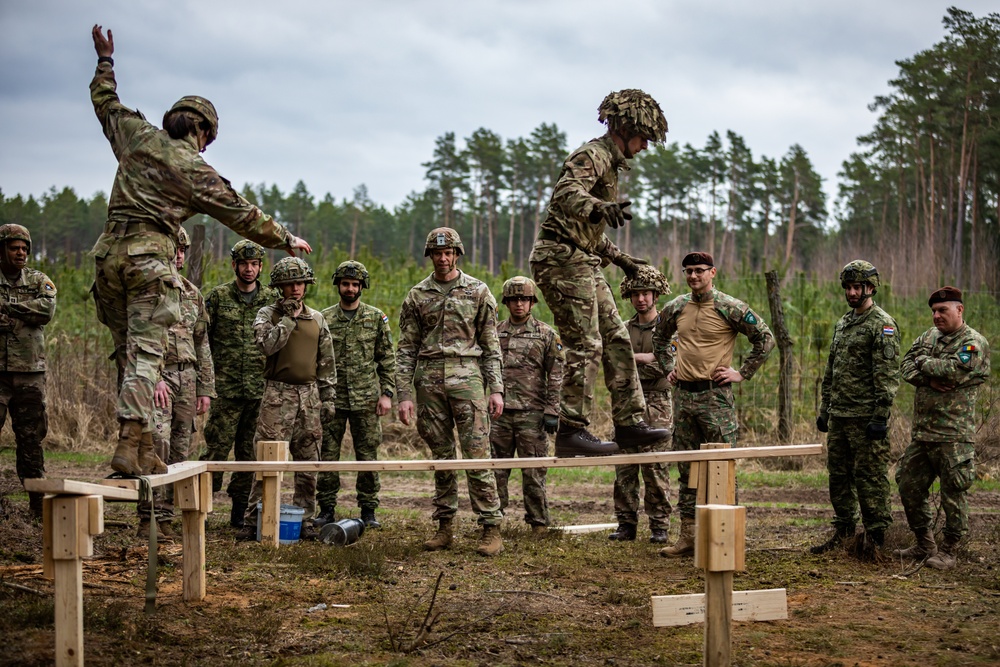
x: 947, y: 293
x: 694, y: 258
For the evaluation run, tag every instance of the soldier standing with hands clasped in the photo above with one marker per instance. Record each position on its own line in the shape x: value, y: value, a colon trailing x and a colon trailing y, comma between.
x: 947, y: 364
x: 862, y: 376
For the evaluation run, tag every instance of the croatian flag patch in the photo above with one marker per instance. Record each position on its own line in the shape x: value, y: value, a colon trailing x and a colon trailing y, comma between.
x: 888, y: 331
x: 385, y: 318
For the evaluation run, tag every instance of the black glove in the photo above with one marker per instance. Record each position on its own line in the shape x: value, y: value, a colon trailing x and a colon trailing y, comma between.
x: 822, y: 424
x: 613, y: 213
x: 877, y: 429
x: 550, y: 423
x: 628, y: 263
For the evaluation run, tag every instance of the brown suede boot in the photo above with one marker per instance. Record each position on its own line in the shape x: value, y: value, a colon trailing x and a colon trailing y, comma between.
x: 945, y: 558
x: 924, y: 548
x: 490, y: 543
x: 149, y: 462
x: 442, y: 538
x: 126, y: 458
x: 684, y: 546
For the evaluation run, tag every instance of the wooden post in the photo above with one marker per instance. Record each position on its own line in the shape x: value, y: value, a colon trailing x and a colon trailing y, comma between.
x: 715, y: 480
x: 719, y: 549
x: 271, y: 450
x: 70, y: 539
x: 193, y: 496
x: 785, y: 344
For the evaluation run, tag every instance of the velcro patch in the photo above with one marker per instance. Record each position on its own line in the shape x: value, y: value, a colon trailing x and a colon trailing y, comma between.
x: 965, y: 357
x: 385, y: 318
x: 968, y: 348
x: 888, y: 331
x: 749, y: 318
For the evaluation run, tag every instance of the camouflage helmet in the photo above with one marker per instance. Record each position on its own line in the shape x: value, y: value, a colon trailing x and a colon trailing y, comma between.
x: 860, y: 271
x: 247, y: 250
x: 352, y: 270
x: 631, y: 111
x: 183, y: 240
x: 441, y: 238
x: 519, y: 286
x: 646, y: 278
x: 202, y: 107
x: 12, y: 232
x: 292, y: 270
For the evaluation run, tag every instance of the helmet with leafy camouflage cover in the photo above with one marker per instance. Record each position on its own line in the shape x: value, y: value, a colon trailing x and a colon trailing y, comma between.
x: 247, y: 250
x: 519, y: 286
x: 183, y: 240
x: 630, y: 112
x: 202, y: 107
x: 860, y: 271
x: 292, y: 270
x: 12, y: 232
x: 646, y: 278
x: 441, y: 238
x: 353, y: 270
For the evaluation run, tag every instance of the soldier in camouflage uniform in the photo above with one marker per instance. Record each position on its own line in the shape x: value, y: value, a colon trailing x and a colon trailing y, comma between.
x: 532, y: 377
x: 161, y: 182
x: 643, y: 290
x: 27, y: 304
x: 946, y: 364
x: 706, y: 323
x: 185, y: 389
x: 366, y: 379
x: 300, y: 379
x: 239, y: 371
x: 449, y: 352
x: 862, y: 376
x: 566, y: 263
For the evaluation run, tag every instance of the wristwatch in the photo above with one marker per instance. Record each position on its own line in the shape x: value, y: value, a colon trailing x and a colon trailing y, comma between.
x: 387, y: 392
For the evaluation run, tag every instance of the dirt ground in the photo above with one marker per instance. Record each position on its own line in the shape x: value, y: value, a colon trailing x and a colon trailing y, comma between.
x: 554, y: 600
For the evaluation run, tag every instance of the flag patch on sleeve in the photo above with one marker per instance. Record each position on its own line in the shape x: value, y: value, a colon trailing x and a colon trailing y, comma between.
x: 888, y: 331
x: 968, y: 348
x: 385, y: 318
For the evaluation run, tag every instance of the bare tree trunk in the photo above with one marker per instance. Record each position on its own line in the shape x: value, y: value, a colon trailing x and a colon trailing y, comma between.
x: 787, y: 358
x: 196, y: 255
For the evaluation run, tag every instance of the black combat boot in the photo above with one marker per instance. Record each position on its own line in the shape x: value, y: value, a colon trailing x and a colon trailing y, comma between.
x: 658, y: 535
x: 236, y: 514
x: 368, y: 516
x: 35, y: 504
x: 624, y: 533
x: 325, y: 516
x: 573, y: 441
x: 639, y: 435
x: 836, y: 540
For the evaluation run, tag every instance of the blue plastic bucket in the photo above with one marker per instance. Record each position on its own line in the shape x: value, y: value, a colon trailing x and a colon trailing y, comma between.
x: 289, y: 523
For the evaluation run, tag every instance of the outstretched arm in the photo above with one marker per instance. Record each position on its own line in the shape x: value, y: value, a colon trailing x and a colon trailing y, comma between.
x: 105, y: 46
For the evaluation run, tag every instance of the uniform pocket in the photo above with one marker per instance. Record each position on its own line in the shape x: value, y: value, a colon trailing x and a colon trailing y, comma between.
x: 961, y: 464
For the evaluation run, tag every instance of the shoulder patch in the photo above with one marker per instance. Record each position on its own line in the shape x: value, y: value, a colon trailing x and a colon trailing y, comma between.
x: 385, y: 318
x: 888, y: 351
x: 49, y: 287
x: 888, y: 331
x: 965, y: 357
x: 750, y: 318
x: 968, y: 348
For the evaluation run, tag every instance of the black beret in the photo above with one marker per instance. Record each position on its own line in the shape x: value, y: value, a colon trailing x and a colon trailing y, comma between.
x: 693, y: 258
x: 947, y: 293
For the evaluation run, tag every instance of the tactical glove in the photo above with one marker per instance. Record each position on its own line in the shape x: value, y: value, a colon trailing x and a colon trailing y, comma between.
x: 877, y: 429
x: 822, y: 424
x: 550, y: 423
x: 289, y: 306
x: 628, y: 263
x: 613, y: 213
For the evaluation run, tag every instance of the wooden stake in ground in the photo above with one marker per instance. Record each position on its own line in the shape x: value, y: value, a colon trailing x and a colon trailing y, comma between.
x: 270, y: 515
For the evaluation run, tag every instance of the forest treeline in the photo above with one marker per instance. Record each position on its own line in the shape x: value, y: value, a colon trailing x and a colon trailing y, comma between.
x: 920, y: 196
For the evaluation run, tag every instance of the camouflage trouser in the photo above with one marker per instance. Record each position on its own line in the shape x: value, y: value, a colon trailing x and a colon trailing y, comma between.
x: 172, y: 428
x: 366, y: 434
x: 655, y: 476
x: 859, y: 475
x: 700, y: 417
x: 232, y: 421
x: 442, y: 406
x: 954, y: 463
x: 137, y: 294
x: 592, y: 333
x: 291, y: 412
x: 23, y: 396
x: 520, y: 432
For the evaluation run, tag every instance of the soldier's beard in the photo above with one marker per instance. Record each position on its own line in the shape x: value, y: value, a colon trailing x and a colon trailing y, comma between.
x: 350, y: 298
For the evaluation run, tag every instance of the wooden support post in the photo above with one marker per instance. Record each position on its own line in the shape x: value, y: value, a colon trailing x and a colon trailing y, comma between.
x: 719, y: 549
x: 715, y: 480
x: 271, y: 450
x: 70, y: 539
x: 190, y: 498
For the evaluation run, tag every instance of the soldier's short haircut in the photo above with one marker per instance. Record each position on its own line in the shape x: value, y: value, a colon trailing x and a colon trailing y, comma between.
x: 181, y: 123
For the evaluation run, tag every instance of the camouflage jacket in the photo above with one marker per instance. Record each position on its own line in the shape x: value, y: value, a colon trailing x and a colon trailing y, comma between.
x: 960, y: 359
x: 26, y: 306
x: 272, y: 329
x: 532, y: 365
x: 366, y: 361
x: 187, y: 341
x: 239, y: 364
x: 460, y: 324
x: 862, y: 371
x: 589, y: 177
x: 164, y: 181
x: 740, y: 317
x: 651, y: 375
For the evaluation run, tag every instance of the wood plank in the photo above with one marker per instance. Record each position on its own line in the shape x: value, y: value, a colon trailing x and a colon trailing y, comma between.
x: 69, y: 612
x: 720, y: 538
x: 95, y: 521
x: 193, y: 555
x: 72, y: 487
x: 65, y: 528
x: 541, y: 462
x: 718, y: 619
x: 585, y: 528
x: 762, y: 605
x: 270, y: 516
x: 175, y: 473
x: 48, y: 565
x: 205, y: 489
x: 186, y: 494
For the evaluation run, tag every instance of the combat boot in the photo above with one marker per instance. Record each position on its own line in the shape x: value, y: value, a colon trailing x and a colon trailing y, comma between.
x: 237, y: 514
x: 624, y: 533
x: 126, y: 457
x: 836, y: 540
x: 35, y: 504
x: 490, y: 543
x: 326, y: 515
x: 573, y: 441
x: 658, y: 535
x: 924, y: 548
x: 945, y: 558
x: 538, y: 530
x: 684, y: 546
x: 639, y: 435
x: 368, y: 516
x: 149, y: 462
x: 442, y: 538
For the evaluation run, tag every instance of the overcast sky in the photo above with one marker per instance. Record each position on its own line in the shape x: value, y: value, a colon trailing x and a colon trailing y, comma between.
x: 342, y: 93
